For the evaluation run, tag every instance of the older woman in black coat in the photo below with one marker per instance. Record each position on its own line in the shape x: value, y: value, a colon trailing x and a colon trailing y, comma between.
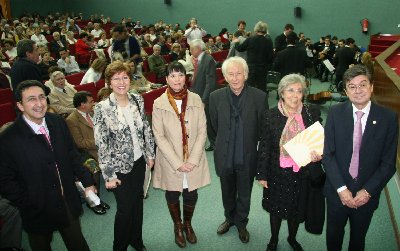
x: 286, y: 185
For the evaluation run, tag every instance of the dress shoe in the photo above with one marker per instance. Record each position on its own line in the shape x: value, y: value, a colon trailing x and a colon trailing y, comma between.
x: 295, y: 245
x: 210, y: 148
x: 224, y: 227
x: 97, y: 209
x: 104, y: 205
x: 244, y: 235
x: 272, y: 246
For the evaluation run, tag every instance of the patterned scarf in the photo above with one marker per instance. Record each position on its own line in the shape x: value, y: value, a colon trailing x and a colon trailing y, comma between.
x: 181, y: 95
x: 294, y: 125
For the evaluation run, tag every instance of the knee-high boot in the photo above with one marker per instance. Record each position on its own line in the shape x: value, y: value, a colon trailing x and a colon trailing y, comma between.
x: 187, y: 223
x: 175, y: 211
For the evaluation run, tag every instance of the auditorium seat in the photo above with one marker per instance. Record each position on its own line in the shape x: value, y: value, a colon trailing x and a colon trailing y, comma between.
x: 100, y: 84
x: 6, y: 96
x: 167, y: 58
x: 91, y: 87
x: 7, y: 113
x: 148, y: 50
x: 149, y: 98
x: 220, y: 56
x: 71, y: 49
x: 75, y: 79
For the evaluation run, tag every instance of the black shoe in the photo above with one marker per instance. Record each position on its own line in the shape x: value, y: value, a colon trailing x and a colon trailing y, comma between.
x: 272, y: 246
x: 224, y: 227
x: 141, y: 248
x: 210, y: 148
x: 244, y: 235
x: 97, y: 209
x: 104, y: 205
x: 295, y: 245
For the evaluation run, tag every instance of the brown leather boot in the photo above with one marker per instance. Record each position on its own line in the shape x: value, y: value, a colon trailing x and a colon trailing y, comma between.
x: 187, y: 223
x: 175, y: 211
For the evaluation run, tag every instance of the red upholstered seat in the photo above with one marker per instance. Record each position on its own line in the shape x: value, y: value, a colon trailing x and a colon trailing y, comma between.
x: 220, y: 56
x: 100, y: 84
x: 6, y: 96
x: 220, y: 77
x: 148, y: 50
x: 71, y: 49
x: 167, y: 58
x: 91, y: 87
x: 150, y: 76
x: 75, y: 79
x: 149, y: 98
x: 145, y: 66
x: 7, y: 113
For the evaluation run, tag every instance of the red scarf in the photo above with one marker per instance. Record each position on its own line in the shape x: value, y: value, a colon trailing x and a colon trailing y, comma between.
x: 181, y: 95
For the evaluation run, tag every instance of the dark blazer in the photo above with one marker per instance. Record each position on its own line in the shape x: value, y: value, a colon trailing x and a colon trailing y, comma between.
x: 291, y: 60
x: 24, y: 69
x: 253, y: 110
x: 343, y: 58
x: 259, y: 50
x: 206, y: 78
x: 134, y: 48
x: 377, y: 153
x: 280, y: 42
x: 82, y: 133
x: 28, y: 174
x: 55, y: 47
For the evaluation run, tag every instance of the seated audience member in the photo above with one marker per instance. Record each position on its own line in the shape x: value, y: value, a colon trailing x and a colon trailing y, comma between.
x: 138, y: 25
x: 224, y: 35
x: 57, y: 43
x: 7, y: 32
x: 157, y: 63
x: 97, y: 30
x: 73, y: 27
x: 146, y: 41
x: 20, y: 34
x: 70, y: 38
x: 80, y: 125
x: 219, y: 43
x: 67, y: 62
x: 46, y: 63
x: 211, y: 47
x: 124, y: 44
x: 104, y: 93
x: 103, y: 42
x: 61, y: 97
x: 179, y: 39
x: 164, y: 48
x: 176, y: 52
x: 38, y: 37
x: 46, y: 30
x: 168, y: 41
x: 11, y: 50
x: 137, y: 79
x: 82, y: 46
x: 95, y: 71
x: 49, y: 83
x: 129, y: 23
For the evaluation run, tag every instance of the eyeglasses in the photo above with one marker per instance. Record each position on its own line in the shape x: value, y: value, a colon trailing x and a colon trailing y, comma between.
x: 124, y: 79
x: 361, y: 87
x: 293, y: 91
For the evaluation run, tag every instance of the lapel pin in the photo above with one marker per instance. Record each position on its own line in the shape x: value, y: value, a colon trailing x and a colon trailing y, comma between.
x: 374, y: 122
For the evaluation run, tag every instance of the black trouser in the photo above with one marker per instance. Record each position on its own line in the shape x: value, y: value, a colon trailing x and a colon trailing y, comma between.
x: 258, y: 77
x: 210, y: 132
x: 236, y: 195
x: 337, y: 218
x: 129, y: 217
x: 71, y: 235
x: 11, y: 230
x: 189, y: 198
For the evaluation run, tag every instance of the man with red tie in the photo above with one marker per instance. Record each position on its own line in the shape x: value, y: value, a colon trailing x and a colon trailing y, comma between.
x: 80, y: 125
x: 359, y: 159
x: 39, y: 163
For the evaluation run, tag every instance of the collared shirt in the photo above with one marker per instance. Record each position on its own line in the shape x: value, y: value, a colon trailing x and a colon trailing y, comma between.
x: 35, y: 127
x: 364, y: 118
x: 199, y: 58
x: 84, y: 115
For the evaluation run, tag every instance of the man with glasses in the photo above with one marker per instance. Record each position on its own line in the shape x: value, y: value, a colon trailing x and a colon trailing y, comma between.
x: 359, y: 159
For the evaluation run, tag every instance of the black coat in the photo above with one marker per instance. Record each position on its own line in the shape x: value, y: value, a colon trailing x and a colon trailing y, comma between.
x: 259, y: 50
x: 55, y: 47
x: 280, y: 42
x: 343, y: 58
x: 291, y: 60
x: 28, y: 174
x: 24, y: 69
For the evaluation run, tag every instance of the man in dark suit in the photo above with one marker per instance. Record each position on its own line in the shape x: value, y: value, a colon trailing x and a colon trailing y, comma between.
x: 291, y: 59
x: 204, y: 80
x: 280, y: 40
x: 57, y: 43
x: 236, y: 112
x: 358, y: 171
x: 38, y: 168
x: 343, y: 58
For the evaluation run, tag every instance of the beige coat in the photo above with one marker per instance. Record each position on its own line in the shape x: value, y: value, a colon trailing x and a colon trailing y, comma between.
x: 168, y: 136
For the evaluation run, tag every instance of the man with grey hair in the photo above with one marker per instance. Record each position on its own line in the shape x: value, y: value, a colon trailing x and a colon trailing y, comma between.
x: 235, y: 113
x: 26, y: 67
x: 57, y: 43
x: 204, y: 80
x: 194, y: 31
x: 259, y: 54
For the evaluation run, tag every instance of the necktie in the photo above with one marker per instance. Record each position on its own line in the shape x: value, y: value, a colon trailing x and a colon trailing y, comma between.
x: 64, y: 91
x: 43, y: 131
x: 60, y: 44
x: 357, y: 137
x: 89, y: 120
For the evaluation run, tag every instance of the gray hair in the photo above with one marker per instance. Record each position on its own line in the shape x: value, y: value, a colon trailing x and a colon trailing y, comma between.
x: 56, y: 33
x: 292, y: 79
x: 235, y: 61
x: 156, y: 46
x: 55, y: 74
x: 261, y: 27
x: 198, y: 43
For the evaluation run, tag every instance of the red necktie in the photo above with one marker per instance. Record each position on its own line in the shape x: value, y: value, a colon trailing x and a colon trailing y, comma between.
x: 196, y: 66
x: 43, y: 131
x: 89, y: 120
x: 357, y: 137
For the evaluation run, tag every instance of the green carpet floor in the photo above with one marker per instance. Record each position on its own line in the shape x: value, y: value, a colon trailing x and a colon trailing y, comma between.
x: 158, y: 227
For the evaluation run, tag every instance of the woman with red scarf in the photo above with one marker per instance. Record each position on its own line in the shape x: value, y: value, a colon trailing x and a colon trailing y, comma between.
x: 179, y: 127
